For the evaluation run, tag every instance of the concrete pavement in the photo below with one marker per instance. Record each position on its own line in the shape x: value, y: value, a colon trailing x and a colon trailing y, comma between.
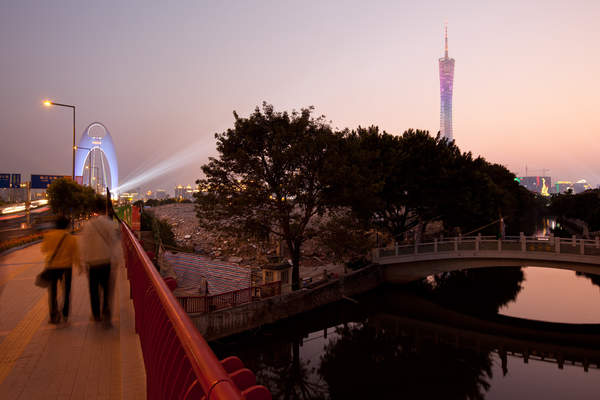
x: 81, y: 360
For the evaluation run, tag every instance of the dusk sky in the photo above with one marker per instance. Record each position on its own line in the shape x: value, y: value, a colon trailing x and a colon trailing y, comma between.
x: 165, y: 76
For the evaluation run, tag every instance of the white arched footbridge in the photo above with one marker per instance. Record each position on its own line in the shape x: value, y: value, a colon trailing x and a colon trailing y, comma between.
x: 404, y: 263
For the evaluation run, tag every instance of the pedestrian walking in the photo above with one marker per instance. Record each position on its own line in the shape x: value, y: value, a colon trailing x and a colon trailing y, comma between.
x: 61, y: 251
x: 102, y: 254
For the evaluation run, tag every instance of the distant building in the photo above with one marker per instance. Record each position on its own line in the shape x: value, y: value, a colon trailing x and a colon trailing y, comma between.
x: 125, y: 197
x: 537, y: 184
x: 179, y: 192
x: 575, y: 187
x: 160, y: 194
x: 446, y: 85
x: 185, y: 192
x: 581, y: 186
x: 562, y: 186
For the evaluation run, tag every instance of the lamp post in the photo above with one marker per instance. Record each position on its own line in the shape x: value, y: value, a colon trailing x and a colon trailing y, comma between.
x: 86, y: 167
x: 49, y: 103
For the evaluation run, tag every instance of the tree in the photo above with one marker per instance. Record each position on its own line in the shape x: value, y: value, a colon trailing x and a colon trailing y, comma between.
x: 584, y: 206
x: 401, y: 183
x: 395, y: 183
x: 160, y: 228
x: 268, y: 178
x: 70, y: 199
x: 492, y: 287
x: 478, y: 193
x: 341, y: 233
x: 401, y: 365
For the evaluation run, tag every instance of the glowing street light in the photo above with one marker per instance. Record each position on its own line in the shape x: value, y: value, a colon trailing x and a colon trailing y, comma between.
x: 49, y: 103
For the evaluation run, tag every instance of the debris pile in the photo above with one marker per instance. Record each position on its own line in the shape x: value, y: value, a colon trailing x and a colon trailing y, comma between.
x: 188, y: 233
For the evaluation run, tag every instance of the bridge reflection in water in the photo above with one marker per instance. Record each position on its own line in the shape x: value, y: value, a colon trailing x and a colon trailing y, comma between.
x: 439, y: 337
x: 574, y: 344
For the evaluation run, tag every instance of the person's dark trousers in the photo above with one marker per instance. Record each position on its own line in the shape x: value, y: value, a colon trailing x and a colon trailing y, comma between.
x: 100, y: 279
x: 57, y: 274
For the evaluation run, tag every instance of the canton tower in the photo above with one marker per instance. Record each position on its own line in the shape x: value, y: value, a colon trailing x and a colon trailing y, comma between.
x: 446, y: 81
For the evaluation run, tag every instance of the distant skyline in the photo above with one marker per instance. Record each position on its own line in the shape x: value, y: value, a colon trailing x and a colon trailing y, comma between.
x: 164, y: 78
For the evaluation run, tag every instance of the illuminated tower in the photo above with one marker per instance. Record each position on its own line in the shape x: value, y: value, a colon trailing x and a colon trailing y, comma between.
x: 446, y: 81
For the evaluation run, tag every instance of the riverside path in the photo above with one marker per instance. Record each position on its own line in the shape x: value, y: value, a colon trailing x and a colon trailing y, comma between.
x: 152, y: 350
x: 80, y: 360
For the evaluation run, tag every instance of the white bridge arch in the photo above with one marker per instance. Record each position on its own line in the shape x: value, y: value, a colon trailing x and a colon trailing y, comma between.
x: 403, y: 263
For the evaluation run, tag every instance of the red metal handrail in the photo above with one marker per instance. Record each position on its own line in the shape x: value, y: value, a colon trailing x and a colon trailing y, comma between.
x: 204, y: 304
x: 179, y: 363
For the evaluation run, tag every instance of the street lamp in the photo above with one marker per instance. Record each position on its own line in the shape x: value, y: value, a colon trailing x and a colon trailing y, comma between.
x: 49, y: 103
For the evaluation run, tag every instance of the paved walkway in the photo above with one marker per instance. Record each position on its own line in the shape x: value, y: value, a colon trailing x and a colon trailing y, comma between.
x: 81, y: 360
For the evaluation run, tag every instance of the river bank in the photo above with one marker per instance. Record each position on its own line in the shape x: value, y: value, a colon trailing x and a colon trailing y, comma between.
x: 219, y: 324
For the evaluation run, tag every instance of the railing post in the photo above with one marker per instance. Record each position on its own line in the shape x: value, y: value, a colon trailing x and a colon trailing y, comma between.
x: 597, y: 241
x: 557, y: 245
x: 455, y: 244
x: 574, y: 240
x: 435, y: 246
x: 396, y: 248
x: 523, y: 241
x: 416, y: 247
x: 477, y: 239
x: 499, y: 244
x: 582, y: 246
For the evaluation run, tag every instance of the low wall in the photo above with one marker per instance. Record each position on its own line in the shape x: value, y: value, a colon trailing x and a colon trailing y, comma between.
x: 8, y: 234
x: 219, y: 324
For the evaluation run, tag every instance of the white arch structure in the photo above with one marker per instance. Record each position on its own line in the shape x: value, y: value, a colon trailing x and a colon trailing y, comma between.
x: 404, y: 263
x: 88, y: 143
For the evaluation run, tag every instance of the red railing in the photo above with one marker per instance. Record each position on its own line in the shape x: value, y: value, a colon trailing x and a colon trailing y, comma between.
x: 204, y: 304
x: 179, y: 363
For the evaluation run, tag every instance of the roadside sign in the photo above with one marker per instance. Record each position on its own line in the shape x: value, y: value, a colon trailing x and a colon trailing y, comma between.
x: 43, y: 181
x: 4, y: 181
x: 15, y: 180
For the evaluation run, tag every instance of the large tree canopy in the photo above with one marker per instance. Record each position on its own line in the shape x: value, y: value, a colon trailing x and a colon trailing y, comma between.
x: 397, y: 183
x: 267, y: 179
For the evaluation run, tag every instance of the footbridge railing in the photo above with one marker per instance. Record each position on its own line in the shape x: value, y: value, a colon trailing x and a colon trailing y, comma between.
x: 179, y: 363
x: 544, y: 244
x: 205, y: 304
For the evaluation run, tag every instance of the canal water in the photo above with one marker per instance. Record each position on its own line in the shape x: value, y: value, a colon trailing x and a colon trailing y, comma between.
x: 475, y: 334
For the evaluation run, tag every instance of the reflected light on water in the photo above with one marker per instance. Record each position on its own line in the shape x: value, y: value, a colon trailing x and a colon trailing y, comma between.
x: 542, y: 380
x: 557, y: 296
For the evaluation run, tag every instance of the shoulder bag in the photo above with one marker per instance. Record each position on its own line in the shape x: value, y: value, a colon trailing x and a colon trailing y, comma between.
x: 43, y: 279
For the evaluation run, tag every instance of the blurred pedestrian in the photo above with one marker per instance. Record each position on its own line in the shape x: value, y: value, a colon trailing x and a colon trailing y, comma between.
x: 61, y: 251
x: 102, y: 254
